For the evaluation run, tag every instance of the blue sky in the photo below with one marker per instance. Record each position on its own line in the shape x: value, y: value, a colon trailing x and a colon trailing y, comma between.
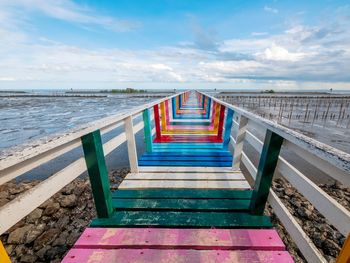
x: 287, y: 45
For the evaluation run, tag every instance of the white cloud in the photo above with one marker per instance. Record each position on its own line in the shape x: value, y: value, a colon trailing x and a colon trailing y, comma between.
x: 300, y: 53
x: 270, y: 9
x: 67, y: 10
x: 259, y: 33
x: 7, y: 79
x: 277, y: 53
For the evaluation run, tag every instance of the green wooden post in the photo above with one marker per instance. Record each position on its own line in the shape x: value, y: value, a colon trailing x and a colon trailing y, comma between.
x: 147, y: 129
x: 266, y: 169
x: 96, y: 166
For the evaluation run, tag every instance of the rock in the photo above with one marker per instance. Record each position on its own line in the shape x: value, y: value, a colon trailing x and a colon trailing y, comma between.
x: 20, y: 250
x: 303, y: 212
x: 46, y: 238
x: 67, y: 190
x: 3, y: 201
x: 61, y: 240
x: 294, y: 201
x: 35, y: 215
x: 61, y: 212
x: 330, y: 247
x: 72, y: 238
x: 41, y: 253
x: 289, y: 191
x: 34, y: 233
x: 318, y: 239
x: 62, y: 222
x: 51, y: 208
x: 18, y: 235
x: 68, y: 200
x: 55, y: 251
x: 4, y: 194
x: 29, y: 258
x: 17, y: 189
x: 9, y: 249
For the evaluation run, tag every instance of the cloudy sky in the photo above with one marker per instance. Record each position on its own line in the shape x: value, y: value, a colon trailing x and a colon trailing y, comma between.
x: 175, y: 44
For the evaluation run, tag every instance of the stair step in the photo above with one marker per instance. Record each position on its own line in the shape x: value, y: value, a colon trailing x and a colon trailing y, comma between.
x: 180, y: 204
x: 183, y: 194
x: 183, y: 219
x: 190, y: 184
x: 166, y: 238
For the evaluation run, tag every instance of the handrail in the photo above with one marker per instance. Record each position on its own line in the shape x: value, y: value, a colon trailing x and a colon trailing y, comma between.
x: 11, y: 160
x: 33, y: 156
x: 333, y: 211
x: 336, y: 157
x: 311, y: 150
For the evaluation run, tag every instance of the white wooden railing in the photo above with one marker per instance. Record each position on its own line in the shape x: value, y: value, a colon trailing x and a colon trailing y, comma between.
x: 333, y: 162
x: 14, y: 164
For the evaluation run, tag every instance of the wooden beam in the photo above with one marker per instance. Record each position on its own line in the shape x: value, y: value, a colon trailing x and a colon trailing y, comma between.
x: 237, y: 153
x: 9, y: 159
x: 328, y: 153
x: 331, y: 170
x: 183, y: 184
x: 180, y: 169
x: 130, y: 138
x: 98, y: 174
x: 157, y: 121
x: 228, y: 127
x: 147, y: 129
x: 4, y: 258
x: 344, y: 255
x: 266, y: 169
x: 185, y: 176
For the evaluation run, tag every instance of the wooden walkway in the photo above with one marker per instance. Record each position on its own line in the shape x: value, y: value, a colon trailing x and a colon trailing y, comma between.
x: 184, y: 203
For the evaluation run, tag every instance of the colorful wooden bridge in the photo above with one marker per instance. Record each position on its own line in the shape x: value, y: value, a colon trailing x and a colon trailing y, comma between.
x: 185, y: 198
x: 173, y: 210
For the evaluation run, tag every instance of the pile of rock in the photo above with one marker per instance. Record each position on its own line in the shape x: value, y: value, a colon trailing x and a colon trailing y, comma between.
x: 326, y: 237
x: 47, y: 233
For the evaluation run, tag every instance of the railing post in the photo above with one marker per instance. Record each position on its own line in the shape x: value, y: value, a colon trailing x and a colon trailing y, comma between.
x: 98, y: 174
x: 237, y: 153
x: 228, y: 128
x: 130, y: 138
x: 4, y: 258
x: 147, y: 129
x: 344, y: 254
x: 266, y: 169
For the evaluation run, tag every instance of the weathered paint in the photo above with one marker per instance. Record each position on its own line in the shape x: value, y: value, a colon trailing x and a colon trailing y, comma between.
x: 4, y: 258
x: 98, y: 174
x: 344, y: 255
x: 166, y: 238
x: 181, y: 255
x: 147, y: 129
x: 266, y: 169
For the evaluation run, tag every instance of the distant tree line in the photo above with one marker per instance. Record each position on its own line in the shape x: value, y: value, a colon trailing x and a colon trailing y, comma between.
x: 128, y: 90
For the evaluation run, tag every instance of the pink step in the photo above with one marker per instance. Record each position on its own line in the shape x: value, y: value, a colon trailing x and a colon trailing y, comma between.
x: 160, y: 238
x: 181, y: 255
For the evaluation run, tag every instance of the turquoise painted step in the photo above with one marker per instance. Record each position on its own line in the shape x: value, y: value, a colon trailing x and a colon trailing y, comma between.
x: 181, y: 204
x: 212, y: 154
x: 187, y: 158
x: 183, y: 219
x: 186, y: 163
